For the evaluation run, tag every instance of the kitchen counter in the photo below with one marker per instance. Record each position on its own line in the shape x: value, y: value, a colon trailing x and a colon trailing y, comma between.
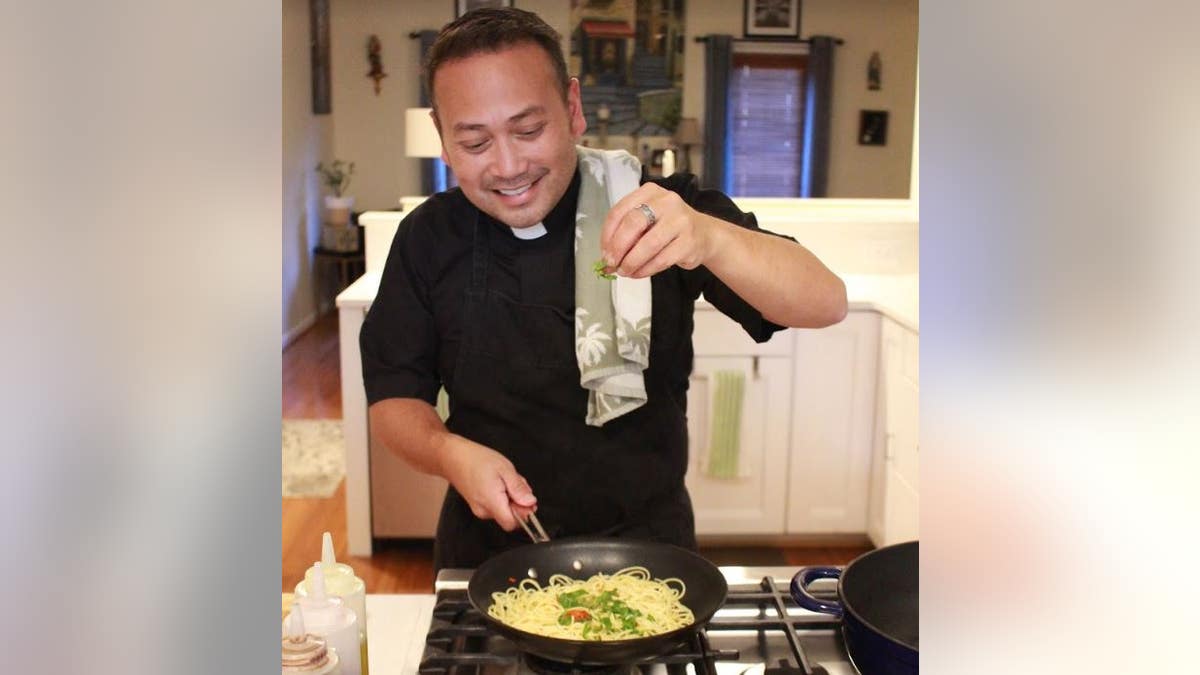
x: 896, y: 296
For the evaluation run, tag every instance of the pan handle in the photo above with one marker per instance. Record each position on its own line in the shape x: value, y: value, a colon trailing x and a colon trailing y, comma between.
x: 800, y: 593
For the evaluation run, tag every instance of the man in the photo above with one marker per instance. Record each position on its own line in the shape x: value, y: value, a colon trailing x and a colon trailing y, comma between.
x: 478, y: 296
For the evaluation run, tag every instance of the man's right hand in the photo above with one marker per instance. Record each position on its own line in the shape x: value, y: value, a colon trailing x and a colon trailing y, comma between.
x: 488, y: 481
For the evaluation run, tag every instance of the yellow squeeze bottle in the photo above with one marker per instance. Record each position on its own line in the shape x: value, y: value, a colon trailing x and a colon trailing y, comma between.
x: 340, y: 581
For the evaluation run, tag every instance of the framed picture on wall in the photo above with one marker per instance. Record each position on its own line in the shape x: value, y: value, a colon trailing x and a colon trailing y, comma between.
x: 772, y: 19
x: 463, y: 6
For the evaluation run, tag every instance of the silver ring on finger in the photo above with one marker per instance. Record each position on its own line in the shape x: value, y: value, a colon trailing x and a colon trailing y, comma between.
x: 651, y: 219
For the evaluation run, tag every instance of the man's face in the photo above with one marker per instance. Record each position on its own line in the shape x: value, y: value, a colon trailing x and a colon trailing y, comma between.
x: 507, y: 133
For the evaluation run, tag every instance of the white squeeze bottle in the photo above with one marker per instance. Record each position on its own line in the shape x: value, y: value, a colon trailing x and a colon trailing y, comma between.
x: 340, y: 581
x: 306, y: 653
x: 329, y: 617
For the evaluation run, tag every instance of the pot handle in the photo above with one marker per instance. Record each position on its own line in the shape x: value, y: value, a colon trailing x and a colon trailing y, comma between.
x: 800, y: 593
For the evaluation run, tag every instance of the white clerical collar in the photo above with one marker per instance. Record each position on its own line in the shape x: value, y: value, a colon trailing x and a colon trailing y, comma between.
x: 531, y: 232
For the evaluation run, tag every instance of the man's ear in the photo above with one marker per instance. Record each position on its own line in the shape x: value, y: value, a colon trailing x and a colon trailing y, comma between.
x: 575, y: 109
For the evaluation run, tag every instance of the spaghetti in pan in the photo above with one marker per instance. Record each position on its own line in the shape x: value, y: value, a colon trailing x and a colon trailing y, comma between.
x: 624, y: 605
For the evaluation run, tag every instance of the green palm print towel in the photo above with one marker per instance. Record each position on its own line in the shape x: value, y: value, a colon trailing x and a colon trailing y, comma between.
x: 612, y: 317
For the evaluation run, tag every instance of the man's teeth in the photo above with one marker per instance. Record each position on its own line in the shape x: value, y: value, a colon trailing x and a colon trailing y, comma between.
x: 513, y: 193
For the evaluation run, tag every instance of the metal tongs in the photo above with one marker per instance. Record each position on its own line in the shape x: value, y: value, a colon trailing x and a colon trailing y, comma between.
x: 537, y: 534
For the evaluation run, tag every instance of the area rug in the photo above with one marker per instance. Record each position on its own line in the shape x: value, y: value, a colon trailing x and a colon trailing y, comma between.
x: 314, y: 457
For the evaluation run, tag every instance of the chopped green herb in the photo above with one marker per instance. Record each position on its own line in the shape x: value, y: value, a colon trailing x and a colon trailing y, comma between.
x: 572, y: 599
x: 598, y: 268
x: 601, y: 614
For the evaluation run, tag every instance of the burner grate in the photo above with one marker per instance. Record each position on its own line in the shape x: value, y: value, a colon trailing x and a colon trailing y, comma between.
x: 773, y: 614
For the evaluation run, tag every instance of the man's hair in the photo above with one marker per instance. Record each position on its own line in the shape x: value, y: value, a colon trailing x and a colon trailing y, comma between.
x: 489, y: 30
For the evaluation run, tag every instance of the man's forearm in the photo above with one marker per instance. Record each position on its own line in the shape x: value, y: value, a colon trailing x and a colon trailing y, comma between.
x: 778, y: 277
x: 411, y: 429
x: 486, y: 479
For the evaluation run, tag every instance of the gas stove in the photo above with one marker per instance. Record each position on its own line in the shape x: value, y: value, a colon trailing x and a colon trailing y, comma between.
x: 758, y: 631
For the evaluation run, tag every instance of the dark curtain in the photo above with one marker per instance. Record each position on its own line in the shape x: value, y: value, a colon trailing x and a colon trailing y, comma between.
x: 718, y: 59
x: 433, y: 169
x: 818, y: 97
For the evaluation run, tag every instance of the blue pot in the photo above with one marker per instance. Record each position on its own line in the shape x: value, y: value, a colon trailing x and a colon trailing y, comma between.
x: 878, y: 602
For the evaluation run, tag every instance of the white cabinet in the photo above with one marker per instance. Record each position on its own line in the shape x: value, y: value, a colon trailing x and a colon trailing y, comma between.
x: 895, y: 477
x: 753, y: 502
x: 806, y: 432
x: 832, y: 426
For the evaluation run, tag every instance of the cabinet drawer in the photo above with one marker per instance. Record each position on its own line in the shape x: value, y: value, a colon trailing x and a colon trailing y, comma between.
x: 718, y: 335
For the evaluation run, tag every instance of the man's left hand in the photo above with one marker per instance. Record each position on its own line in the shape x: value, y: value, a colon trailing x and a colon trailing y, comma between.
x: 635, y: 247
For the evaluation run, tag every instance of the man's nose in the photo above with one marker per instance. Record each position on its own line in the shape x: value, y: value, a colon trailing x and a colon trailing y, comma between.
x: 508, y: 160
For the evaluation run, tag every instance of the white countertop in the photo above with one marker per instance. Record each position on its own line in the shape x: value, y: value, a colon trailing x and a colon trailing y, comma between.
x: 896, y: 296
x: 396, y: 630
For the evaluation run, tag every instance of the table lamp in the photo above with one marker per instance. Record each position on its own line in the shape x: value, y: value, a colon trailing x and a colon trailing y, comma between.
x: 687, y: 134
x: 421, y: 139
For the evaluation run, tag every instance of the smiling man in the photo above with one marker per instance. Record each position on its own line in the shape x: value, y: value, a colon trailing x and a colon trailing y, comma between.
x: 479, y: 295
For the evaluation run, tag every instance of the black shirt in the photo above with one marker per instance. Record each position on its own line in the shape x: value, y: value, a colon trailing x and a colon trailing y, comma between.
x: 410, y: 337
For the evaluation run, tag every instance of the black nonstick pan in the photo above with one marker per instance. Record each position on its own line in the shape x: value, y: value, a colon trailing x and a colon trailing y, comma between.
x: 580, y: 559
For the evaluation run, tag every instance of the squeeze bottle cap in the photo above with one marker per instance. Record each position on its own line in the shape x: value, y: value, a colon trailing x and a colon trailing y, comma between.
x: 329, y: 560
x: 318, y: 590
x: 295, y: 625
x: 322, y: 612
x: 327, y: 556
x: 302, y: 651
x: 340, y: 581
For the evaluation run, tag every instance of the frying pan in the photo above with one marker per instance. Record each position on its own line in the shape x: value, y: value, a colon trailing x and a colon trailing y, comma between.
x: 878, y: 604
x: 581, y: 558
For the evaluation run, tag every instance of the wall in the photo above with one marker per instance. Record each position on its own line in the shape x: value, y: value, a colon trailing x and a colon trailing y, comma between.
x: 370, y: 128
x: 886, y: 26
x: 306, y: 139
x: 889, y: 27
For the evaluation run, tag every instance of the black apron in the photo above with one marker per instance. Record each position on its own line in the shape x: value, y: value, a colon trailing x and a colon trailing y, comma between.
x: 515, y: 388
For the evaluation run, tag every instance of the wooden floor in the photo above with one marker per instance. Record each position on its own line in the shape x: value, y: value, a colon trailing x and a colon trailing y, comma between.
x: 312, y: 389
x: 312, y: 380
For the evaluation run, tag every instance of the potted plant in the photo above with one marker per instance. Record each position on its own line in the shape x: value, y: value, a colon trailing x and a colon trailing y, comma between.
x: 336, y: 177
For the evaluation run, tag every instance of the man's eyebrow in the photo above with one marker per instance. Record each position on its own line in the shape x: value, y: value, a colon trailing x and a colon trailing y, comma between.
x: 527, y: 112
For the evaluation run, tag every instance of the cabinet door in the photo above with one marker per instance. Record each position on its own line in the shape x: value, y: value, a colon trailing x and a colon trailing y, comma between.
x: 752, y: 503
x: 833, y: 426
x: 895, y: 497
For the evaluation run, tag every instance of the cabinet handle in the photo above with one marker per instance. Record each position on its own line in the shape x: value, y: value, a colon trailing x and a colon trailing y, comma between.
x: 888, y: 452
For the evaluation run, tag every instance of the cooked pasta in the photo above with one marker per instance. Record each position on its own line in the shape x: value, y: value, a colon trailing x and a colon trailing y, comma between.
x: 624, y: 605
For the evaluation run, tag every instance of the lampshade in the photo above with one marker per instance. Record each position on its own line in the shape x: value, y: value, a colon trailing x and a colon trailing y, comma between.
x: 688, y: 132
x: 420, y: 136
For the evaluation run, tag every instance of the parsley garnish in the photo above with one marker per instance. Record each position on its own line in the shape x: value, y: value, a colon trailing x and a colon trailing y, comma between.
x: 598, y: 268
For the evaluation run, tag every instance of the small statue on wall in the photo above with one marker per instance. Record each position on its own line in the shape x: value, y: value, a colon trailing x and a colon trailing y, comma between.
x: 874, y: 72
x: 374, y: 55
